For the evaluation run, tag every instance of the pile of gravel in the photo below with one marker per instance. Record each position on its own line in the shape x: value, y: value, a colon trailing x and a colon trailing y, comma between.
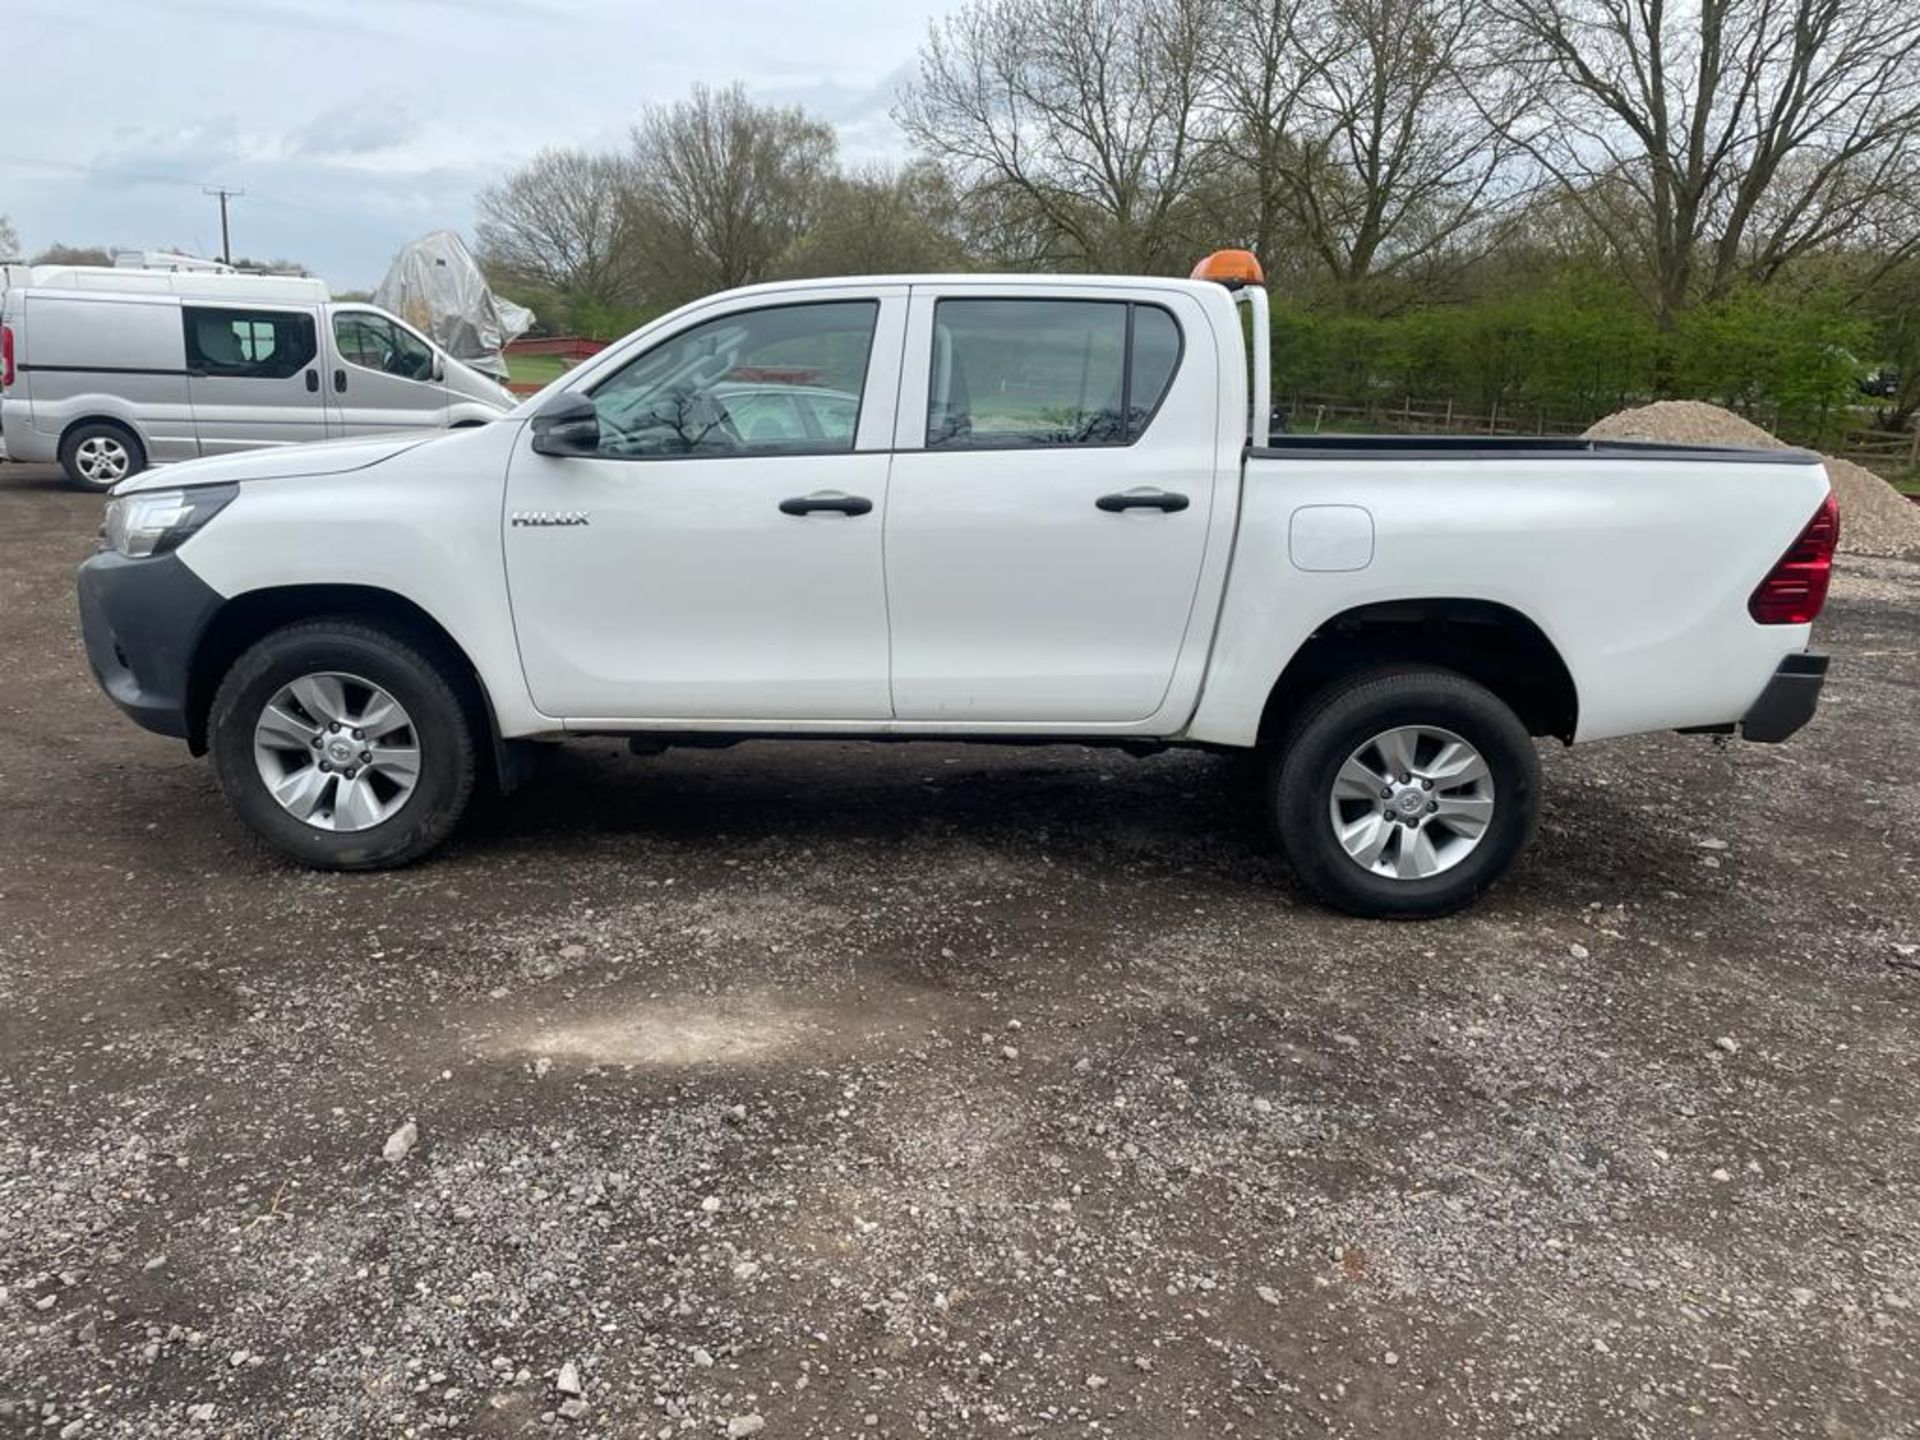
x: 1875, y: 519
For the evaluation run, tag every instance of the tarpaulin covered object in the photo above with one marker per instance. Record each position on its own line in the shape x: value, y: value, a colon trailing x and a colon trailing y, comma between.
x: 436, y: 287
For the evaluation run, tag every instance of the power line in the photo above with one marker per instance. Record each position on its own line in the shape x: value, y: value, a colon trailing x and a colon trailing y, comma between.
x: 136, y: 177
x: 110, y: 172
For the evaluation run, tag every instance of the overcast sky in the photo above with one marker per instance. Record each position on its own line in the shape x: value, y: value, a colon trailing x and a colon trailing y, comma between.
x: 357, y: 125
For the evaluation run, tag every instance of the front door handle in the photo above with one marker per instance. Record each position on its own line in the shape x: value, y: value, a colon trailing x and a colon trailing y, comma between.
x: 1163, y: 500
x: 340, y: 381
x: 826, y: 500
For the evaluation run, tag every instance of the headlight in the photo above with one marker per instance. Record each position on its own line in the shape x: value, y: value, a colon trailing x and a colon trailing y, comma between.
x: 153, y: 522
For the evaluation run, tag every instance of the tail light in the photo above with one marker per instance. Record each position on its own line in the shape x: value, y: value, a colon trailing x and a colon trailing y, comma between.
x: 6, y: 357
x: 1796, y: 588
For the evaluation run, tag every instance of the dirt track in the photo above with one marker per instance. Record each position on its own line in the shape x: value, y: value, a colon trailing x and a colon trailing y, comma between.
x: 928, y: 1090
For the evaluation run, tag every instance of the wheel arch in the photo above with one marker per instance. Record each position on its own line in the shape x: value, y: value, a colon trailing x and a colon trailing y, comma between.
x: 105, y: 417
x: 253, y: 614
x: 1488, y: 642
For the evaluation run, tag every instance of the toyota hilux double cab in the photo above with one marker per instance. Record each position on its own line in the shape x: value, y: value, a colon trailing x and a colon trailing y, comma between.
x: 973, y: 507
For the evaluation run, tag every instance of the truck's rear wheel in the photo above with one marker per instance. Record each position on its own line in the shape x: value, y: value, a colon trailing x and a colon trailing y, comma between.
x: 1404, y: 793
x: 100, y: 454
x: 343, y: 745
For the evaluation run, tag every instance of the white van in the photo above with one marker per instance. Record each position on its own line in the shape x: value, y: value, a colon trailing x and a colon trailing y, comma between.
x: 111, y: 370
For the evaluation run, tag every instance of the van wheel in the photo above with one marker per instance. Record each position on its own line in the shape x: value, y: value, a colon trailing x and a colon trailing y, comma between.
x: 1404, y: 794
x: 343, y: 745
x: 100, y: 454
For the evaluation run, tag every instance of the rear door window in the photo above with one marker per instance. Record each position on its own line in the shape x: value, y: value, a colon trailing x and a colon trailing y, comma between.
x: 248, y: 344
x: 1026, y: 373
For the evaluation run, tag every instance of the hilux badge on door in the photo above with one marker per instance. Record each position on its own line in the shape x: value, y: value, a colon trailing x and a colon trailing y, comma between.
x: 550, y: 517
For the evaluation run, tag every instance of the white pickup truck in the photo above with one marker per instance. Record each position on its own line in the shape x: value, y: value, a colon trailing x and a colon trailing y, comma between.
x: 970, y: 507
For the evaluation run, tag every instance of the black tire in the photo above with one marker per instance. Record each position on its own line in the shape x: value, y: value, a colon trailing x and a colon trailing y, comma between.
x: 403, y: 665
x: 100, y: 432
x: 1346, y: 716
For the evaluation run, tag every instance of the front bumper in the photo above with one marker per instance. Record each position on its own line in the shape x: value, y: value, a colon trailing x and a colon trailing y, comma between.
x: 142, y: 620
x: 1789, y: 700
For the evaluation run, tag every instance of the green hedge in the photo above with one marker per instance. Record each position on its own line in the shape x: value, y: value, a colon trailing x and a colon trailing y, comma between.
x: 1573, y: 351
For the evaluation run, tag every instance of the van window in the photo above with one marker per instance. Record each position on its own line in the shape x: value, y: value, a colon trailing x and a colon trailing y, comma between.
x: 1017, y: 373
x: 248, y: 344
x: 780, y: 381
x: 374, y: 342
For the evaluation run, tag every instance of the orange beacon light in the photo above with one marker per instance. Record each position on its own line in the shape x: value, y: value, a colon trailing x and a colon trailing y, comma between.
x: 1232, y: 268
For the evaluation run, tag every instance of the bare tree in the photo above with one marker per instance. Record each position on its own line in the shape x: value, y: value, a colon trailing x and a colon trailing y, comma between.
x: 1716, y: 140
x: 1075, y: 123
x: 1263, y: 65
x: 562, y: 222
x: 879, y: 221
x: 9, y: 240
x: 1395, y: 159
x: 723, y: 188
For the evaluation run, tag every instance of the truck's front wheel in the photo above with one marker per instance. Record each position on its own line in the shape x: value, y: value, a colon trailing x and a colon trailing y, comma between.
x: 343, y: 744
x: 1404, y: 793
x: 100, y: 454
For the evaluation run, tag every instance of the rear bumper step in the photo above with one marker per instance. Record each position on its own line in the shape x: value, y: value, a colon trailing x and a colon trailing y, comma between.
x: 1789, y: 700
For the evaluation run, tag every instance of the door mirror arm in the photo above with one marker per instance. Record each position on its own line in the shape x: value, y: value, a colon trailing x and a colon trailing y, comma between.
x: 567, y: 425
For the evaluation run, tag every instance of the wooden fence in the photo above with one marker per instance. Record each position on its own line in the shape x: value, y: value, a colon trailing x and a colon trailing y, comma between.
x: 570, y: 347
x: 1880, y: 450
x: 1883, y: 451
x: 1310, y: 414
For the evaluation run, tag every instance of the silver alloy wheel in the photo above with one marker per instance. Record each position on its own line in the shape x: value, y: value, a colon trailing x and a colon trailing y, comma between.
x: 1412, y: 802
x: 337, y: 751
x: 102, y: 459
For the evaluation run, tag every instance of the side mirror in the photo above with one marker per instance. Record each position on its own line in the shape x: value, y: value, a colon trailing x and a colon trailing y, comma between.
x: 567, y: 425
x: 438, y: 372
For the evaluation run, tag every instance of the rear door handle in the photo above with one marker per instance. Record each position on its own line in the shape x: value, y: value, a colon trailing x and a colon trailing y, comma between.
x: 313, y: 382
x: 1164, y: 500
x: 826, y: 500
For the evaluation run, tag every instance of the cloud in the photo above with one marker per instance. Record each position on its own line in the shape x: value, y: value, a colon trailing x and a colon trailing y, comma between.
x: 314, y: 17
x: 169, y: 155
x: 861, y: 113
x: 364, y: 126
x: 355, y: 128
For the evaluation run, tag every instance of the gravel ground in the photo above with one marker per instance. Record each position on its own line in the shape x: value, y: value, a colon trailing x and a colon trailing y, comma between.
x: 901, y: 1091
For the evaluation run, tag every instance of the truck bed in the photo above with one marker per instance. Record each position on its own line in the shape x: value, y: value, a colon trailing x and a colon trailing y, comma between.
x: 1511, y: 447
x: 1637, y: 574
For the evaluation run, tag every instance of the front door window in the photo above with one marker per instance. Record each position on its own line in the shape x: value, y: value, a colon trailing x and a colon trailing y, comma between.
x: 781, y: 381
x: 375, y: 342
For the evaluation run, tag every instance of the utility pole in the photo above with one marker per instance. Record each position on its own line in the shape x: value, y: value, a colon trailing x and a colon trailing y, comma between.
x: 226, y: 245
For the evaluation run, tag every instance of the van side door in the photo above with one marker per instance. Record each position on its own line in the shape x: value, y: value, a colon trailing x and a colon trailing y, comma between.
x: 253, y: 376
x: 384, y: 376
x: 1051, y: 507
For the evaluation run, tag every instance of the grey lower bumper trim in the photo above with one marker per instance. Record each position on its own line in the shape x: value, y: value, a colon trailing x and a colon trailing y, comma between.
x: 1789, y: 700
x: 141, y: 621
